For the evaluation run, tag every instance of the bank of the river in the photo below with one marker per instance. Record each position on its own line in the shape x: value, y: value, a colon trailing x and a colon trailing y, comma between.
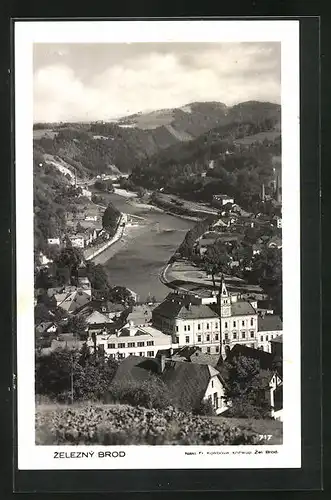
x: 137, y: 259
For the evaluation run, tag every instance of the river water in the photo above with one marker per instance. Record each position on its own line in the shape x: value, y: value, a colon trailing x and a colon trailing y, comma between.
x: 138, y: 259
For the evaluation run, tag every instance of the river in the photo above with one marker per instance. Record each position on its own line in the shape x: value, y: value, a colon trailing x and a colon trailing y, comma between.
x: 137, y: 260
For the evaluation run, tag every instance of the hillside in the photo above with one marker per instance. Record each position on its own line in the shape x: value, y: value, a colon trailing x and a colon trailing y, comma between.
x: 125, y: 143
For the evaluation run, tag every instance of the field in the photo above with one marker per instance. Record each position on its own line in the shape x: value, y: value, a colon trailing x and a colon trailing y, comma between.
x: 270, y: 135
x: 45, y: 132
x: 89, y: 424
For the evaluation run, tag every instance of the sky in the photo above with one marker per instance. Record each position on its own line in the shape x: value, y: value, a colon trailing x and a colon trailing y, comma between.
x: 89, y: 82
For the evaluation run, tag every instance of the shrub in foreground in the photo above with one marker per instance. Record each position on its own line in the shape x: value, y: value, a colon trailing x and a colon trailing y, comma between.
x: 126, y: 425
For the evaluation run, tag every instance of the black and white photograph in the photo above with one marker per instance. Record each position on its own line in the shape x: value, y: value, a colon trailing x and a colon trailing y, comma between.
x: 158, y: 246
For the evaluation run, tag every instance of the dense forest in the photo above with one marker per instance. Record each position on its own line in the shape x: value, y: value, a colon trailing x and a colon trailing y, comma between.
x: 213, y: 164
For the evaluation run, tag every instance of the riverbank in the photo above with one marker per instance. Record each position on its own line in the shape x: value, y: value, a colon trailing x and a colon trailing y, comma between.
x: 133, y: 200
x: 92, y: 252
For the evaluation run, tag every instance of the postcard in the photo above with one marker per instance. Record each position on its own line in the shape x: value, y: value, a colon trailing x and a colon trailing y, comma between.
x: 158, y: 244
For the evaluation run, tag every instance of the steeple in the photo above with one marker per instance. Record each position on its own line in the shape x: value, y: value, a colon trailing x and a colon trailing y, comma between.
x: 225, y: 300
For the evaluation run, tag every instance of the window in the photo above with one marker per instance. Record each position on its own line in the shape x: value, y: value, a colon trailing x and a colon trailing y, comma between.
x: 188, y: 328
x: 234, y: 335
x: 184, y: 328
x: 150, y: 354
x: 252, y: 322
x: 177, y: 339
x: 252, y: 334
x: 199, y: 326
x: 176, y: 328
x: 141, y: 344
x: 226, y: 336
x: 216, y: 325
x: 187, y: 339
x: 111, y: 346
x: 112, y: 356
x: 212, y: 383
x: 207, y: 326
x: 141, y: 354
x: 243, y: 323
x: 208, y: 338
x: 234, y: 324
x: 208, y: 350
x: 150, y: 342
x: 266, y: 337
x: 217, y: 349
x: 121, y: 345
x: 261, y: 338
x: 243, y: 335
x: 131, y: 344
x: 216, y: 336
x: 226, y: 324
x: 215, y: 400
x: 199, y: 338
x: 121, y: 355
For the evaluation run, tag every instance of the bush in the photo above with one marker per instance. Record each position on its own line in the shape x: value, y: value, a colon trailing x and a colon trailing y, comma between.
x: 115, y: 425
x: 150, y: 393
x: 206, y: 408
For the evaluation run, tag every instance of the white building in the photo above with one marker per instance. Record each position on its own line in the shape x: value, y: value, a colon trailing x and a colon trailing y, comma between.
x: 132, y: 340
x: 269, y: 327
x: 53, y: 241
x: 188, y: 323
x: 222, y: 199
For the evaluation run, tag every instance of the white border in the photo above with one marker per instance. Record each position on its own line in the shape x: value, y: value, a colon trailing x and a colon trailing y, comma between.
x: 287, y: 32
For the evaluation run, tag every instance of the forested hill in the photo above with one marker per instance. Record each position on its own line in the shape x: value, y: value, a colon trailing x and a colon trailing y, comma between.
x: 234, y: 159
x: 98, y: 147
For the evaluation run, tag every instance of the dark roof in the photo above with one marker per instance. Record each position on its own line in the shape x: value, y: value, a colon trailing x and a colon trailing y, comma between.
x: 136, y: 368
x: 264, y: 304
x: 265, y: 358
x: 278, y: 339
x: 43, y: 327
x: 269, y: 323
x: 178, y: 306
x: 187, y: 381
x: 242, y: 308
x: 194, y: 355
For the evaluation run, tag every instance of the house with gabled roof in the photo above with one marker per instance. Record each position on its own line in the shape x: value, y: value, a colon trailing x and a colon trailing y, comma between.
x: 190, y: 384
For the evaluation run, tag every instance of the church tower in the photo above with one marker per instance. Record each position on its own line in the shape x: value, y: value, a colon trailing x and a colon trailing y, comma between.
x: 225, y: 301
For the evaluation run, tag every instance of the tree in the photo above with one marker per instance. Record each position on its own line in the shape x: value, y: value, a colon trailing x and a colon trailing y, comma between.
x: 245, y: 388
x: 98, y: 277
x: 110, y: 218
x: 77, y: 324
x: 61, y: 369
x: 216, y: 260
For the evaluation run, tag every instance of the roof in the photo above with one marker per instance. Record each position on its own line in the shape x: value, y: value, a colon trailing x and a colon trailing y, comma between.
x: 188, y: 382
x: 74, y: 301
x: 98, y: 318
x: 278, y: 339
x: 194, y: 355
x: 269, y: 323
x: 43, y: 327
x: 265, y: 358
x: 242, y: 308
x: 137, y: 368
x: 178, y: 306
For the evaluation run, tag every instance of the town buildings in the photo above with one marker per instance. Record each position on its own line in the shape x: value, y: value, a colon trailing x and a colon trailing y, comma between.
x: 132, y: 341
x: 213, y: 326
